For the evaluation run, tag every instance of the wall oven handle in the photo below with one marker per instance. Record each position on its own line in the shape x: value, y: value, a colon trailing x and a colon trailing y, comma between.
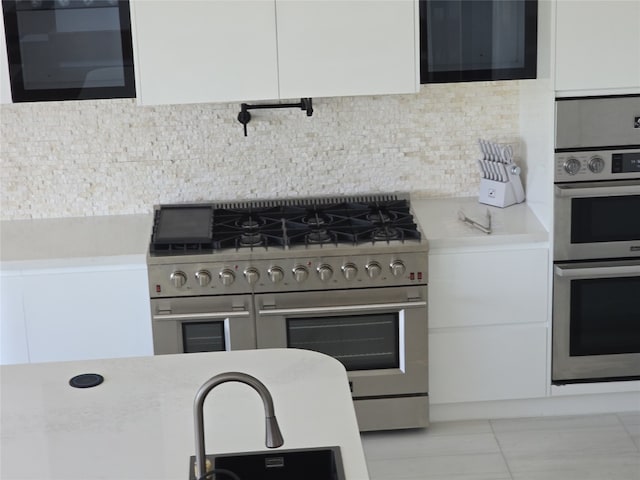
x: 200, y: 316
x: 342, y: 308
x: 598, y: 190
x: 605, y: 270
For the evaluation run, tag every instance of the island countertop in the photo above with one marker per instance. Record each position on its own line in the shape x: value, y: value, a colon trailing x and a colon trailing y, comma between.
x: 138, y: 424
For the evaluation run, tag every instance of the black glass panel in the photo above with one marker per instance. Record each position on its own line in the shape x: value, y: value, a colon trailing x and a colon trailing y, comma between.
x: 605, y: 219
x: 69, y: 49
x: 605, y: 316
x: 363, y: 342
x: 472, y: 40
x: 203, y: 337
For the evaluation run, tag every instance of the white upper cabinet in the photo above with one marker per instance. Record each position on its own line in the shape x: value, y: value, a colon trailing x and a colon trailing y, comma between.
x: 349, y: 47
x: 597, y: 45
x: 204, y: 51
x: 223, y: 51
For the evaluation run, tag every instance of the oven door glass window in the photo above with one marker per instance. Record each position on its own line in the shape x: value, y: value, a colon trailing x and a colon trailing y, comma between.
x: 605, y: 219
x: 605, y: 316
x: 362, y: 342
x: 69, y: 50
x: 203, y: 337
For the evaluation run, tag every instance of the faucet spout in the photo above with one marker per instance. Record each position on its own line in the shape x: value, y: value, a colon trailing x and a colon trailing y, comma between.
x: 273, y: 435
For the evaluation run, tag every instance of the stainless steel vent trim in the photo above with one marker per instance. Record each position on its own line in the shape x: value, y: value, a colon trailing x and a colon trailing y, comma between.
x: 311, y: 201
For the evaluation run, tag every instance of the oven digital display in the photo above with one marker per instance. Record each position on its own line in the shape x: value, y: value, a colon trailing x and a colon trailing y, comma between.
x: 625, y: 162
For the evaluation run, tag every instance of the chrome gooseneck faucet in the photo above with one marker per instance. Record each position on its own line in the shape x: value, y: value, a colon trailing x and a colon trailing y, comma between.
x: 273, y: 436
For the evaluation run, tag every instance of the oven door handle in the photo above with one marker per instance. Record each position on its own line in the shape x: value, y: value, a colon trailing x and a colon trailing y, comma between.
x: 342, y: 308
x: 200, y: 316
x: 598, y: 189
x: 604, y: 270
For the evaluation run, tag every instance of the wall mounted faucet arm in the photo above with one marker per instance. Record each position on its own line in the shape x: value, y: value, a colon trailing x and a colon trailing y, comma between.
x: 244, y: 117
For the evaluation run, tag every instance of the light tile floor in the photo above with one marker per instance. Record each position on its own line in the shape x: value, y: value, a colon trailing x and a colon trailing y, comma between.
x: 585, y: 447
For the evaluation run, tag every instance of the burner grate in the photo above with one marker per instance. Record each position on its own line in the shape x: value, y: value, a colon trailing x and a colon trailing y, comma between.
x: 282, y: 224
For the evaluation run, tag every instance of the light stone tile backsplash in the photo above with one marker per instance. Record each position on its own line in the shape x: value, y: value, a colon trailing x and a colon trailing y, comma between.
x: 107, y: 157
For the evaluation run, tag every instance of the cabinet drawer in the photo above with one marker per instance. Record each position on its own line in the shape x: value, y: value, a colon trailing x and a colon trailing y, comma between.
x: 487, y: 363
x: 488, y: 288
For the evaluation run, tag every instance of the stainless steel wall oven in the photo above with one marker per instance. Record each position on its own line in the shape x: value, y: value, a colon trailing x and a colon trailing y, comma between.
x: 596, y: 312
x: 343, y: 276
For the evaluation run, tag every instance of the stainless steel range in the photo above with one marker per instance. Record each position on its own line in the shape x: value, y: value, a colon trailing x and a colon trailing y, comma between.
x: 345, y: 276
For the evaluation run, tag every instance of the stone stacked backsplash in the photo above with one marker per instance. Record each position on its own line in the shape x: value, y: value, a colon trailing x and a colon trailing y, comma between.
x: 108, y: 157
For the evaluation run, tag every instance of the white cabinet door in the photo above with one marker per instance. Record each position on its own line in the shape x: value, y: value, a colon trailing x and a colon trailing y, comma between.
x: 488, y: 321
x: 488, y: 288
x: 349, y: 47
x: 13, y: 335
x: 78, y: 315
x: 487, y: 363
x: 597, y: 44
x: 204, y: 51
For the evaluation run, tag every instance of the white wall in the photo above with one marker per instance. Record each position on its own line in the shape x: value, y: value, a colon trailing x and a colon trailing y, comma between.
x: 101, y: 157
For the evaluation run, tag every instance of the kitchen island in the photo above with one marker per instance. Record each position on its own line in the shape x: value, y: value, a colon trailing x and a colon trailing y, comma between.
x: 138, y: 424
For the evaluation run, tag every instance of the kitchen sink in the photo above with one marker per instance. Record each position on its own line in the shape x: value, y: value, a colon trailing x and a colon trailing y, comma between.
x: 324, y: 463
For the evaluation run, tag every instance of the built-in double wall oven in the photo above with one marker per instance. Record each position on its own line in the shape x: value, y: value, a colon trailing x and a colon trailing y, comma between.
x: 596, y: 283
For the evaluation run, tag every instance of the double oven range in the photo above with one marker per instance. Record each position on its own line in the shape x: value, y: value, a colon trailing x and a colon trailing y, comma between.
x: 596, y: 282
x: 344, y: 276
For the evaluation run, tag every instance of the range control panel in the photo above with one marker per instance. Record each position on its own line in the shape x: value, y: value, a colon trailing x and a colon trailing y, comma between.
x: 287, y: 275
x: 597, y: 165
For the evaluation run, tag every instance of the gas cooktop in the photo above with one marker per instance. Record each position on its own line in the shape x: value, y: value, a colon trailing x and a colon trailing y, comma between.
x: 191, y: 229
x: 285, y: 245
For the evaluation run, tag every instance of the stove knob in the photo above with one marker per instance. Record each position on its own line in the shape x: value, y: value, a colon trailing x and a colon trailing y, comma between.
x: 252, y: 275
x: 596, y: 164
x: 373, y: 269
x: 300, y: 273
x: 572, y: 166
x: 397, y: 268
x: 178, y: 279
x: 276, y: 274
x: 325, y: 272
x: 227, y: 277
x: 349, y: 270
x: 203, y: 277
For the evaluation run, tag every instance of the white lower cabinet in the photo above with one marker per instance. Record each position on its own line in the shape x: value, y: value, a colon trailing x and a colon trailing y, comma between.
x: 79, y: 314
x: 471, y: 364
x: 13, y: 332
x: 488, y: 325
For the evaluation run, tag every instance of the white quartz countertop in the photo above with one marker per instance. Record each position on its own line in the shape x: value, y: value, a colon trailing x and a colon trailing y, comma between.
x: 138, y: 424
x: 512, y: 227
x: 124, y: 239
x: 75, y: 241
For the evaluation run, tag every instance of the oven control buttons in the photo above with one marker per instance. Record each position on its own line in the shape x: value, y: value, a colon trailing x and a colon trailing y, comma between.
x: 300, y: 273
x: 276, y: 274
x: 178, y: 279
x: 397, y: 268
x: 349, y: 270
x: 227, y: 277
x: 252, y: 275
x: 373, y: 269
x: 203, y: 277
x: 596, y: 164
x: 325, y: 272
x: 572, y: 166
